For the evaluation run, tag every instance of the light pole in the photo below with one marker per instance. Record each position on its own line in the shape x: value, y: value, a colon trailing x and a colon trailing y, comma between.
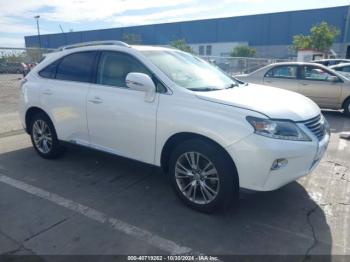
x: 37, y: 26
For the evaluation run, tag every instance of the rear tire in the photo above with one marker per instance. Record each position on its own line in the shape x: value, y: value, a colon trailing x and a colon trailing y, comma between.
x: 203, y: 176
x: 346, y: 107
x: 44, y: 137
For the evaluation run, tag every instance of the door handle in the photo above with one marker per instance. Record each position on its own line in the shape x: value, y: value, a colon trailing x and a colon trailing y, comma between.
x: 47, y: 92
x: 96, y: 100
x: 304, y: 84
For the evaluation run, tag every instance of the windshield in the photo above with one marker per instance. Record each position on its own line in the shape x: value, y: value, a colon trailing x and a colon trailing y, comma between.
x: 189, y: 71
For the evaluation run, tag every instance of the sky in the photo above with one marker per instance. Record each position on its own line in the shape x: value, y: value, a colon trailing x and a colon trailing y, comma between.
x: 17, y: 16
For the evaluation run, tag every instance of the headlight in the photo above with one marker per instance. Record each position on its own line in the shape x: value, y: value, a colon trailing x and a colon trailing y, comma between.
x: 285, y: 130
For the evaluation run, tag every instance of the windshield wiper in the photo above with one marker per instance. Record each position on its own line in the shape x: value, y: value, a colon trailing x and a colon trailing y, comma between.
x: 231, y: 86
x: 204, y: 89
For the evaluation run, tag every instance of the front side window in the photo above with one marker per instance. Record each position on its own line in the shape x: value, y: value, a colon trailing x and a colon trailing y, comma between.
x: 114, y: 67
x: 288, y: 71
x: 76, y: 67
x: 189, y: 71
x: 315, y: 73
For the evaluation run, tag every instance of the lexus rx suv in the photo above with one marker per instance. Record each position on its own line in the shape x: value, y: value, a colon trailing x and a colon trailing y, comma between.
x: 211, y: 134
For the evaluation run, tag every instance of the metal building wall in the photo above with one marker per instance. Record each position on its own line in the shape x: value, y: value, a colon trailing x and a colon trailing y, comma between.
x: 258, y: 30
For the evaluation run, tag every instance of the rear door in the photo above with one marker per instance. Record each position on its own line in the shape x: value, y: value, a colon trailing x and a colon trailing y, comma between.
x: 315, y: 82
x: 282, y: 76
x: 63, y: 94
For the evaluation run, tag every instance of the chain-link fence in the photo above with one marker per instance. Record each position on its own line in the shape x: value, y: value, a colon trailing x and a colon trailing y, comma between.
x: 240, y: 65
x: 14, y: 64
x: 20, y: 60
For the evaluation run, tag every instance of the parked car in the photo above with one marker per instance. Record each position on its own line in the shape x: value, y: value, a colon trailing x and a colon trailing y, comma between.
x: 330, y: 62
x: 13, y: 68
x: 171, y: 109
x: 343, y: 69
x: 323, y: 85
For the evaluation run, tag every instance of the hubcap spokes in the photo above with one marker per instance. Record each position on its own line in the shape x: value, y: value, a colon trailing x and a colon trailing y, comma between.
x: 42, y: 136
x: 197, y: 177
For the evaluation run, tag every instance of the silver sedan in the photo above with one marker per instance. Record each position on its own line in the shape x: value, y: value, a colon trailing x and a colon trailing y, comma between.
x: 326, y: 87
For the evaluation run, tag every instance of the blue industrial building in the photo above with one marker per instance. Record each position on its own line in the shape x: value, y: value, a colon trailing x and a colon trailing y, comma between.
x: 271, y: 34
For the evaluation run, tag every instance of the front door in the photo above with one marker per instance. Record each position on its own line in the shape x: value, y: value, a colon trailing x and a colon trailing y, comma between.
x: 282, y: 76
x: 119, y: 119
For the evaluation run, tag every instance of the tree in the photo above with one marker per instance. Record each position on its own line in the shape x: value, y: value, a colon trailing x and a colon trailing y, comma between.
x: 181, y: 45
x: 132, y: 39
x: 243, y: 51
x: 321, y: 38
x: 301, y: 42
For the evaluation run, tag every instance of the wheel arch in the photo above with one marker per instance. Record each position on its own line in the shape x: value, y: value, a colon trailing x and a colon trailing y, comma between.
x: 344, y: 102
x: 30, y: 113
x: 177, y: 138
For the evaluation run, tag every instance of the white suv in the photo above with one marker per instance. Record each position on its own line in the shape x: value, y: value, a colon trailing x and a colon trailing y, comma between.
x: 211, y: 134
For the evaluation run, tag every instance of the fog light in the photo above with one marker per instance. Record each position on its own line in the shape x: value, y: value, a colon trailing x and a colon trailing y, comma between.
x: 279, y: 163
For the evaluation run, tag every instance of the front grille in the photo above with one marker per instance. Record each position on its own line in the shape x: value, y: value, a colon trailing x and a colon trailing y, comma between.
x: 317, y: 126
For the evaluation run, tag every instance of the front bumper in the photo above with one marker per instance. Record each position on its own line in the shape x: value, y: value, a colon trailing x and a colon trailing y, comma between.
x: 254, y: 156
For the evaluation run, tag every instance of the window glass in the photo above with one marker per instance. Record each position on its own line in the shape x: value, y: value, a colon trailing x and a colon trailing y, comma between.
x: 314, y: 73
x: 189, y: 71
x: 49, y: 71
x: 338, y: 69
x: 288, y: 71
x: 76, y: 67
x: 114, y: 67
x: 346, y: 69
x: 208, y: 50
x: 201, y: 50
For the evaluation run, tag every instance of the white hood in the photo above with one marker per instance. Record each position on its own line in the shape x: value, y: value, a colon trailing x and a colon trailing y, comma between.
x: 270, y: 101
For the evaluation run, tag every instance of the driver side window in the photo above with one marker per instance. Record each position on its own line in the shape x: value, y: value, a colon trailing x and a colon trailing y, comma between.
x: 114, y: 67
x: 287, y: 71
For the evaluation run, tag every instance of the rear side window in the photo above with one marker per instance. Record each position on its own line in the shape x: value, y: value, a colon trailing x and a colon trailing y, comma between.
x: 76, y: 67
x: 288, y: 71
x: 114, y: 67
x: 315, y: 73
x: 49, y: 71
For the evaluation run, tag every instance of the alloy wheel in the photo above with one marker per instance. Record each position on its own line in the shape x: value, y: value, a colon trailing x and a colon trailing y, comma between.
x: 42, y: 136
x: 197, y: 178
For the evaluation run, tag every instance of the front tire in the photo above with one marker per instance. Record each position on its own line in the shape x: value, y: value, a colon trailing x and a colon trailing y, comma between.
x: 346, y: 107
x: 203, y: 176
x: 44, y: 137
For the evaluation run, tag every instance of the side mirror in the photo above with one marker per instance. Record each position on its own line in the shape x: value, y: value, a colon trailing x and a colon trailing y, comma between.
x: 141, y: 82
x: 333, y: 79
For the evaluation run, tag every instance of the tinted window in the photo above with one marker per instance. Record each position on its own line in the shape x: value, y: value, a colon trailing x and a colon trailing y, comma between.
x: 288, y: 71
x: 314, y: 73
x: 49, y: 71
x: 345, y: 69
x: 76, y: 67
x: 114, y: 67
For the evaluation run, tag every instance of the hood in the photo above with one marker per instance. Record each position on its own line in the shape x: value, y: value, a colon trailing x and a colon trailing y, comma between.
x: 272, y: 102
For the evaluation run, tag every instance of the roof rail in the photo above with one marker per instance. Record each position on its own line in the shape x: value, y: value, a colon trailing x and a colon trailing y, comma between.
x: 92, y: 43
